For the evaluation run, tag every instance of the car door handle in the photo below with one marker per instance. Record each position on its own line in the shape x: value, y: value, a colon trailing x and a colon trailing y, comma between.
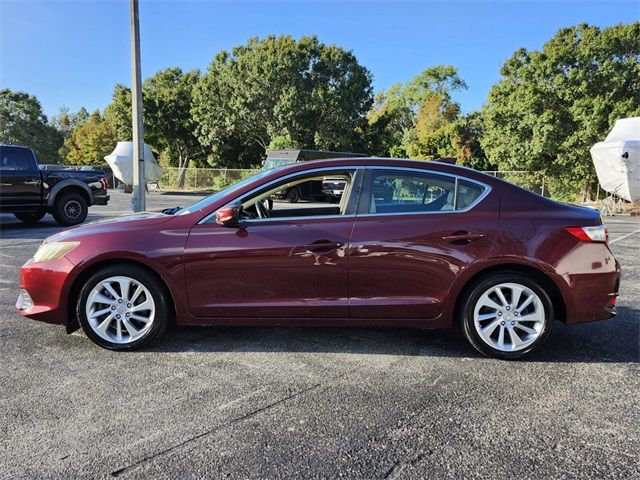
x: 462, y: 237
x: 323, y: 246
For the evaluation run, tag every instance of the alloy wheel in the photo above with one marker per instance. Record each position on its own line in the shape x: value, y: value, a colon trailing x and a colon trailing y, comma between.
x: 509, y: 317
x: 120, y: 309
x: 72, y: 209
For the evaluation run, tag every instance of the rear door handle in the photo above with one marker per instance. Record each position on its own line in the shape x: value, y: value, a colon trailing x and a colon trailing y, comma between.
x: 462, y: 237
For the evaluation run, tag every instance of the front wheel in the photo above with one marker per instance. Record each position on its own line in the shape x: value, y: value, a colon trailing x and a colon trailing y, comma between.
x: 70, y: 209
x: 122, y: 308
x: 30, y: 217
x: 507, y: 315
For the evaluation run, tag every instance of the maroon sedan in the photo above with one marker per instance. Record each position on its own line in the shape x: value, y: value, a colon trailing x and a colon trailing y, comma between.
x: 410, y: 243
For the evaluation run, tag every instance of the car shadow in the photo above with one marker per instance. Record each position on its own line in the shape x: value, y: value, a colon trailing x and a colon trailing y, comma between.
x: 615, y: 340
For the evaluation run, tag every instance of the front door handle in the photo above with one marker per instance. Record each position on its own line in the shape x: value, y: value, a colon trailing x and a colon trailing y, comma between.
x: 462, y: 237
x: 323, y: 246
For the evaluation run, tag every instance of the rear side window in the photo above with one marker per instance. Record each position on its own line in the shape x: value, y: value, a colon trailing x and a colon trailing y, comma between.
x: 403, y: 191
x: 468, y: 194
x: 15, y: 159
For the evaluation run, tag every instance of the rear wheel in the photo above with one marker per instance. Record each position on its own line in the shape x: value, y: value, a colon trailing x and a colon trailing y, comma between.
x: 122, y: 308
x: 70, y: 209
x: 30, y: 217
x: 293, y: 195
x: 507, y: 315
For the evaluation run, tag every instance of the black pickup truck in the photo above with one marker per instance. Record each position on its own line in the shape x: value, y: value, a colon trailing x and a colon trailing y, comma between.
x: 29, y: 192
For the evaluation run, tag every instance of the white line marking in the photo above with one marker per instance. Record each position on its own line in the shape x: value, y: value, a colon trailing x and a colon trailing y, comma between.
x: 623, y: 237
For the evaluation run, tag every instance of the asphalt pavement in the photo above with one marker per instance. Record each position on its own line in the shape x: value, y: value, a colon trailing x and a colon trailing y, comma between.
x: 244, y: 402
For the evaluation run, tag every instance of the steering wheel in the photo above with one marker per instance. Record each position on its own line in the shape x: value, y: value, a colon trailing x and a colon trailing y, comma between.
x: 261, y: 209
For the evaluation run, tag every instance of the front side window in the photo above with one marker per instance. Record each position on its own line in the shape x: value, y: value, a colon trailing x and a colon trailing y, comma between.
x: 325, y: 193
x: 305, y: 195
x: 403, y: 191
x: 15, y: 159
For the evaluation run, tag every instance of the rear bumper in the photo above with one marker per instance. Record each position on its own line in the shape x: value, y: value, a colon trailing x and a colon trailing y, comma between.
x: 101, y: 199
x: 594, y: 288
x: 44, y: 282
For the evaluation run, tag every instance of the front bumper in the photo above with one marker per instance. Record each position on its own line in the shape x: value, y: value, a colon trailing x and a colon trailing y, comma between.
x: 45, y: 284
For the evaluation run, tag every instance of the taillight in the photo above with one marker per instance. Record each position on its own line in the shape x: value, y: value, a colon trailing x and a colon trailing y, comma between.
x: 589, y: 234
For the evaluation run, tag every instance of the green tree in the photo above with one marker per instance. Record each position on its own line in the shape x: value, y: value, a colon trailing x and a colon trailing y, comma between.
x: 552, y: 105
x: 64, y: 122
x: 314, y: 95
x: 467, y: 131
x: 22, y: 122
x: 169, y: 126
x: 418, y: 119
x: 88, y: 143
x: 118, y: 112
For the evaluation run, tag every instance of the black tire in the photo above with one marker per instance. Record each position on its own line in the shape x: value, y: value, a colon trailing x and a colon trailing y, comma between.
x: 477, y: 290
x: 30, y: 217
x: 70, y: 209
x: 161, y: 317
x: 293, y: 195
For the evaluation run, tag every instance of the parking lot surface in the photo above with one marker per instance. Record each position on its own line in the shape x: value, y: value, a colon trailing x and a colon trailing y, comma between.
x: 315, y: 402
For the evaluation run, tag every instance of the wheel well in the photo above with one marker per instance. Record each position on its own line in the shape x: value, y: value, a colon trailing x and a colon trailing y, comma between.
x: 72, y: 189
x: 543, y: 279
x: 74, y: 293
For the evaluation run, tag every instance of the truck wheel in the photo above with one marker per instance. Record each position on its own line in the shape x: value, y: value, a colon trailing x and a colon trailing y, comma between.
x: 30, y: 217
x: 293, y: 195
x: 70, y: 209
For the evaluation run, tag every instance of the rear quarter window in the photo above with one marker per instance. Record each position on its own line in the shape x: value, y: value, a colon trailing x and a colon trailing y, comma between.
x: 468, y: 194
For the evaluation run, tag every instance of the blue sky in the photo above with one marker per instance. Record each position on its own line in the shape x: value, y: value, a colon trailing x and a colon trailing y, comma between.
x: 73, y: 52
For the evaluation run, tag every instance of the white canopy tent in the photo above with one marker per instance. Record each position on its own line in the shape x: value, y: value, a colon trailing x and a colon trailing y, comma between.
x: 617, y: 160
x: 121, y: 162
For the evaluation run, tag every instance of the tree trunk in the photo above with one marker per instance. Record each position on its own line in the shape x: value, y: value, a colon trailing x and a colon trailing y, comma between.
x: 183, y: 162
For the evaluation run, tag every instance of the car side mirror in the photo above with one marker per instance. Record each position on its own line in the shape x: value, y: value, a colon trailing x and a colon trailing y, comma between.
x: 229, y: 215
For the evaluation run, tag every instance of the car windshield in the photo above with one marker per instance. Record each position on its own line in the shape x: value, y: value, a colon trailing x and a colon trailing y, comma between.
x: 200, y: 204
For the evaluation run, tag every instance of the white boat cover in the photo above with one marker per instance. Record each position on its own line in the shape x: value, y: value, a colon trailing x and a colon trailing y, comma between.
x: 617, y: 159
x: 121, y: 162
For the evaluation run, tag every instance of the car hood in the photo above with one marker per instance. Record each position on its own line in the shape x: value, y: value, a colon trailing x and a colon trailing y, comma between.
x: 133, y: 221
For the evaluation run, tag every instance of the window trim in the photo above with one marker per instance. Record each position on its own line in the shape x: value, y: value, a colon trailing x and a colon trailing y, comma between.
x: 364, y: 207
x: 355, y: 189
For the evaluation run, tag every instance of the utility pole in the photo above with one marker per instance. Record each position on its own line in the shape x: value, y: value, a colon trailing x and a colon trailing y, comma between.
x: 137, y: 199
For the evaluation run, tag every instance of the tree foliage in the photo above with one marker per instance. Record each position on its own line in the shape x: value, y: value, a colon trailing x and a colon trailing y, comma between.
x: 420, y: 119
x: 551, y: 105
x: 65, y: 122
x: 118, y: 112
x: 90, y: 141
x: 167, y: 109
x: 305, y: 92
x: 22, y: 122
x: 168, y: 124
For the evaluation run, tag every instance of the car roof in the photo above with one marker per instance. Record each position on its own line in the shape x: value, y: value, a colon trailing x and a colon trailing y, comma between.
x: 384, y: 162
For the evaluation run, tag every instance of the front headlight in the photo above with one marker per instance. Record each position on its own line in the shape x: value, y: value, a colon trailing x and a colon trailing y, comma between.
x: 51, y: 251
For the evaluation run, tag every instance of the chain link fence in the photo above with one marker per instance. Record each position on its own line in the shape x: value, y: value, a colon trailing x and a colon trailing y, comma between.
x: 209, y: 179
x: 533, y: 181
